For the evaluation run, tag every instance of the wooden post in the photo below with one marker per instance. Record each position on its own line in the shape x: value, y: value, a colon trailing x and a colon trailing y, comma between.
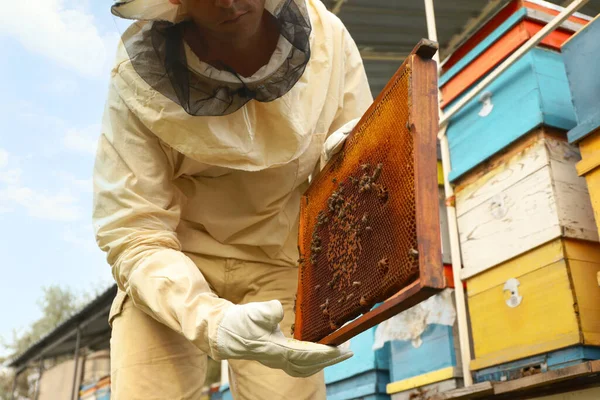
x: 75, y: 391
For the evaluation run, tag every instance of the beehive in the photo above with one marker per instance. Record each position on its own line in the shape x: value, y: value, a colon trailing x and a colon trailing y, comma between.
x: 582, y: 62
x: 503, y: 17
x: 545, y: 300
x: 369, y: 224
x: 520, y: 199
x: 532, y: 92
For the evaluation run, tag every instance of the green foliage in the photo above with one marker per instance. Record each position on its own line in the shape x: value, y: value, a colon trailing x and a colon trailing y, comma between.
x: 57, y: 304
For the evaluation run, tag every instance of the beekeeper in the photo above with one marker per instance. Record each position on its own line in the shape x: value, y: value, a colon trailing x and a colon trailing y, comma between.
x: 217, y: 113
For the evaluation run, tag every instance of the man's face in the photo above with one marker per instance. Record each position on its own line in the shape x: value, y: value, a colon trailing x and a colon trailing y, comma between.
x: 228, y: 17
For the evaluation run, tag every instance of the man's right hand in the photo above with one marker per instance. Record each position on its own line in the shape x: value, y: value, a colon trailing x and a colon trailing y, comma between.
x: 251, y: 332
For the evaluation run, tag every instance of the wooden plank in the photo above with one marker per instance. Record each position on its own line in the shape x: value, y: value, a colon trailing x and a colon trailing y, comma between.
x: 514, y: 333
x: 520, y: 218
x: 573, y: 203
x: 546, y: 378
x: 586, y: 394
x: 587, y: 295
x: 476, y: 391
x: 422, y: 380
x: 424, y: 118
x: 501, y: 176
x: 527, y: 263
x: 410, y: 296
x: 444, y: 231
x: 429, y: 390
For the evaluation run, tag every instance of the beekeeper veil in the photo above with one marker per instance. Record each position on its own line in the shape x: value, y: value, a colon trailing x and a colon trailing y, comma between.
x: 164, y: 61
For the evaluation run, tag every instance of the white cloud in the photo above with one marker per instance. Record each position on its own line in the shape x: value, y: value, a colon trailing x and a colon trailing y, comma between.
x: 62, y: 87
x: 11, y: 176
x: 8, y: 176
x: 65, y: 33
x: 82, y: 140
x: 83, y: 238
x: 83, y: 185
x: 3, y: 158
x: 61, y: 206
x: 53, y: 207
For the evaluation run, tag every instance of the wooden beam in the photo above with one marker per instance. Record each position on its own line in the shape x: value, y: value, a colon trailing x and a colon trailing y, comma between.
x: 382, y: 56
x: 546, y: 378
x: 477, y: 391
x: 337, y: 6
x: 472, y: 25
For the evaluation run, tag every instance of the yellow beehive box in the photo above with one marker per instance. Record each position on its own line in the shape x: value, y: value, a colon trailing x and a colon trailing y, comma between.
x: 589, y: 167
x: 543, y: 300
x: 520, y: 199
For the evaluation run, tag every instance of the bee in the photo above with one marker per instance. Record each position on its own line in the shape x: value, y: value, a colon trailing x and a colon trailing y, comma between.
x: 413, y: 252
x: 351, y: 295
x: 364, y: 166
x: 356, y: 284
x: 293, y: 329
x: 365, y: 217
x: 333, y: 326
x: 363, y: 301
x: 377, y: 171
x: 384, y: 262
x: 317, y: 287
x: 368, y: 228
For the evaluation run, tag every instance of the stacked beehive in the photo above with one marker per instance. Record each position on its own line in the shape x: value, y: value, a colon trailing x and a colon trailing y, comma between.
x: 95, y: 383
x: 433, y: 365
x: 527, y: 231
x: 364, y: 376
x: 581, y: 55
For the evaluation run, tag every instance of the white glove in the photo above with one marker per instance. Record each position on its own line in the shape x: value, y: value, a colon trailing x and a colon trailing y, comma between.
x: 251, y: 332
x: 335, y: 141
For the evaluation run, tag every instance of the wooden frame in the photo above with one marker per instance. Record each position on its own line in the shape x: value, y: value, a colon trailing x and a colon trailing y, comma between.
x: 423, y: 123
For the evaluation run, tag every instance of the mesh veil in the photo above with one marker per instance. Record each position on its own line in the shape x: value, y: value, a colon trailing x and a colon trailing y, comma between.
x: 157, y: 53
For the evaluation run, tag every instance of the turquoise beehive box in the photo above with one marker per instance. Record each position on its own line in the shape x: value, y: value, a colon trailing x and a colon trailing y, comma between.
x: 532, y: 92
x: 364, y: 376
x: 581, y: 55
x: 436, y: 352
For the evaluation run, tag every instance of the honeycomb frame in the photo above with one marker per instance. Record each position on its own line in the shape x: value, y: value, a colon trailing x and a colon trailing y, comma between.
x: 369, y: 232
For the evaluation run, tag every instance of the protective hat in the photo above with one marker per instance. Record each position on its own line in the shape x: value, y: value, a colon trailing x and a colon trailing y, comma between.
x: 146, y: 10
x: 164, y: 61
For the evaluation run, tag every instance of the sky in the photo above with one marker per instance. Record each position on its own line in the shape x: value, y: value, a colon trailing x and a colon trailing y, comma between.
x: 54, y: 75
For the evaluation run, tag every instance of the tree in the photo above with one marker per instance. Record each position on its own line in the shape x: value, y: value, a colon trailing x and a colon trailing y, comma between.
x: 57, y: 305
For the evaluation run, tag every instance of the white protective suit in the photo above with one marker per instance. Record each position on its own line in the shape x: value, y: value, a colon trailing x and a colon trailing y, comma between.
x: 169, y: 185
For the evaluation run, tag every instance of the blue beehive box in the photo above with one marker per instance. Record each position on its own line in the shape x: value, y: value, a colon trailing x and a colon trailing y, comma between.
x: 436, y: 352
x: 532, y: 92
x: 433, y: 365
x: 581, y: 55
x: 364, y: 376
x: 538, y: 364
